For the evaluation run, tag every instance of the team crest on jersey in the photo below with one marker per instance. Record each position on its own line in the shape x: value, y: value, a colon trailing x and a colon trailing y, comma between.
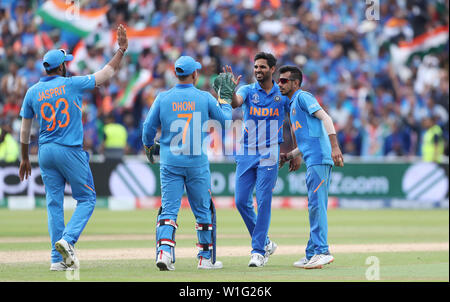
x: 277, y: 98
x: 255, y: 98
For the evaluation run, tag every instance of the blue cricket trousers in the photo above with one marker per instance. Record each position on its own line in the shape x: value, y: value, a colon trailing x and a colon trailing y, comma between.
x: 251, y: 173
x: 197, y: 181
x: 60, y: 164
x: 318, y: 179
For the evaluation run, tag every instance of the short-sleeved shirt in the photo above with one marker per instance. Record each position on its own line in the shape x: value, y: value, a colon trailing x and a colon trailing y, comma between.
x: 263, y: 116
x: 56, y: 103
x: 182, y: 113
x: 312, y: 138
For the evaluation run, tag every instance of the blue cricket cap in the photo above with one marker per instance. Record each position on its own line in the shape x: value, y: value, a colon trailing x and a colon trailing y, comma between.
x: 55, y: 57
x: 186, y: 65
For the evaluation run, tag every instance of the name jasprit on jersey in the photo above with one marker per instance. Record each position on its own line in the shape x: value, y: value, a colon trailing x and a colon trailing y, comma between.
x: 49, y: 93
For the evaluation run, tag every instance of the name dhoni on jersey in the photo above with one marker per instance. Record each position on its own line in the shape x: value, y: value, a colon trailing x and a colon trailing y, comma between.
x: 183, y: 106
x: 258, y: 111
x: 49, y: 93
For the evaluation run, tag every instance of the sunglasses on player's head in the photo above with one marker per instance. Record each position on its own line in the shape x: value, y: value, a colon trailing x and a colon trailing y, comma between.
x: 284, y: 80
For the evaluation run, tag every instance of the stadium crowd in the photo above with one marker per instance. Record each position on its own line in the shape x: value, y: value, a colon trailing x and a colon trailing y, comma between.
x: 378, y: 110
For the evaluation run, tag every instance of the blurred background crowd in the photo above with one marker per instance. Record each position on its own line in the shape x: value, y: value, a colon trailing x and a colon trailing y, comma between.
x: 380, y: 107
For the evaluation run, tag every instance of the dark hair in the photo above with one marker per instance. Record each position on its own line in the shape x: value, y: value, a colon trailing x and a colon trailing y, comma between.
x: 296, y: 73
x: 181, y: 77
x: 271, y: 60
x: 50, y: 71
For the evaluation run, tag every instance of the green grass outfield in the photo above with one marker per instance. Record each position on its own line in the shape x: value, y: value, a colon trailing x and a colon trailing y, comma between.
x: 421, y: 236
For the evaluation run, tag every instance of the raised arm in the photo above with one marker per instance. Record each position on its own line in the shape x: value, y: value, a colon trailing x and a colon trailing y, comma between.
x: 112, y: 66
x: 230, y: 84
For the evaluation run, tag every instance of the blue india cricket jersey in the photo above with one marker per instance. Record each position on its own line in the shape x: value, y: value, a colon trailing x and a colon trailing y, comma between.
x: 263, y: 116
x: 312, y: 138
x: 56, y: 103
x: 182, y: 112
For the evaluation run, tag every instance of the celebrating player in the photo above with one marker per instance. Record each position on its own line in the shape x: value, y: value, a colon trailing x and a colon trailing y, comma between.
x: 317, y: 144
x: 184, y: 162
x: 56, y: 101
x: 257, y: 161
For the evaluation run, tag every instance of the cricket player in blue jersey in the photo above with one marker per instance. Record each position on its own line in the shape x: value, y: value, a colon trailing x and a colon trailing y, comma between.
x: 264, y: 110
x: 182, y: 112
x: 317, y: 144
x: 56, y: 103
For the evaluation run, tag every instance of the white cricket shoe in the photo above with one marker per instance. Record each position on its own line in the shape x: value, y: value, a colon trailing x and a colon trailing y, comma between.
x: 60, y: 266
x: 270, y: 248
x: 318, y: 261
x: 164, y: 261
x: 301, y: 263
x: 257, y: 260
x: 67, y: 251
x: 204, y: 263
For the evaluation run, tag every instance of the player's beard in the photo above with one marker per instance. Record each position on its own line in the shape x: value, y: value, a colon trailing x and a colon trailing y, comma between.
x: 265, y: 76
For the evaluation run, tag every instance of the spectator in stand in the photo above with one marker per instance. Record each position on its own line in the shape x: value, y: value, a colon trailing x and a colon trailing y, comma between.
x: 336, y: 47
x: 350, y: 138
x: 13, y: 88
x: 134, y: 135
x: 398, y: 142
x: 30, y: 72
x: 9, y: 147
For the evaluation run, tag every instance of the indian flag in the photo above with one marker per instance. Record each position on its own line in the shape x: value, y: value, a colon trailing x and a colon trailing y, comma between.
x: 127, y: 96
x: 78, y: 64
x: 138, y: 39
x: 68, y: 15
x: 432, y: 41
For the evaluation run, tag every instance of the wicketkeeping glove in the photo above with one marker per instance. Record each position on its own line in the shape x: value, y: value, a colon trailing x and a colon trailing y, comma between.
x: 149, y: 152
x: 218, y: 82
x: 224, y: 86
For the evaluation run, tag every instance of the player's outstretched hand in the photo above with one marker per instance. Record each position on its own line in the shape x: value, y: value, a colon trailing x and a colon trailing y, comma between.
x: 24, y: 169
x: 122, y: 39
x: 229, y: 71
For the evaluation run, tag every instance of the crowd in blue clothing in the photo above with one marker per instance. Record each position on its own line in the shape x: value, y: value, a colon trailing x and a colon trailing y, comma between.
x: 344, y: 58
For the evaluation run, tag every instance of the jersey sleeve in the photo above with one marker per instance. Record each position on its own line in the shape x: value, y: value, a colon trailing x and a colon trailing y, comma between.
x: 151, y: 124
x: 27, y: 109
x: 83, y: 82
x: 218, y: 112
x: 308, y: 103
